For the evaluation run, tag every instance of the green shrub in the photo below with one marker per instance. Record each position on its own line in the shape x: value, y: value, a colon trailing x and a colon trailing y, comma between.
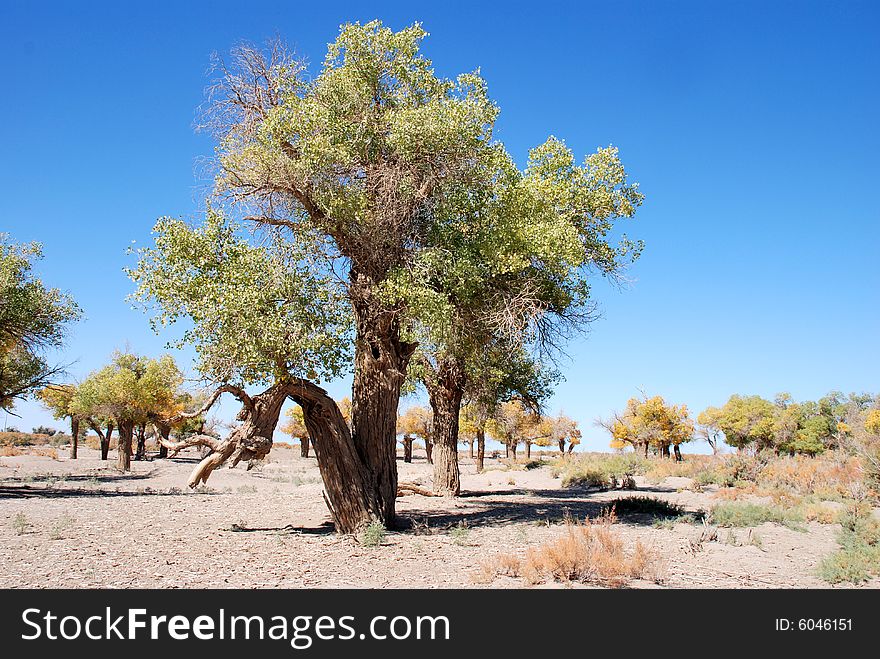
x: 858, y: 558
x: 599, y: 470
x: 20, y: 523
x: 459, y: 533
x: 373, y: 534
x: 737, y: 514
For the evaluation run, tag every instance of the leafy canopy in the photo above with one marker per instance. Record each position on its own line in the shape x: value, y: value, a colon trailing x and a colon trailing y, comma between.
x: 33, y: 319
x: 257, y: 313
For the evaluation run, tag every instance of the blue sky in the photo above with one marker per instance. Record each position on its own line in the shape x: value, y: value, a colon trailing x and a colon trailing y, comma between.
x: 751, y: 126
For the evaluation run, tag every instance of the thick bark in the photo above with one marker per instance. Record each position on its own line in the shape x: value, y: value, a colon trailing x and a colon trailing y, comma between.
x: 123, y: 445
x: 646, y: 450
x: 141, y: 451
x: 74, y: 436
x: 351, y: 491
x: 512, y: 446
x: 429, y: 450
x: 348, y: 482
x: 570, y: 448
x: 407, y: 448
x: 304, y: 447
x: 445, y: 386
x: 528, y: 450
x: 471, y: 449
x: 506, y: 450
x: 561, y: 447
x: 481, y: 449
x: 381, y: 360
x: 677, y: 450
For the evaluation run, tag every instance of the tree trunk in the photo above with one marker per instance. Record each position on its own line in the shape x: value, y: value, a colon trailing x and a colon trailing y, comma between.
x: 677, y: 450
x: 506, y: 450
x: 123, y: 445
x: 74, y: 436
x: 471, y: 449
x: 528, y: 451
x: 481, y: 449
x: 407, y: 448
x: 429, y: 450
x: 304, y: 447
x: 570, y: 448
x: 445, y: 386
x: 380, y: 364
x: 105, y: 441
x: 164, y: 432
x: 141, y: 451
x: 512, y: 446
x: 561, y: 447
x: 646, y: 450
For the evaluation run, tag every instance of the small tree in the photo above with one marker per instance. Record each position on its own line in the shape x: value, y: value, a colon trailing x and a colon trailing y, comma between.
x: 58, y: 399
x: 709, y: 427
x: 747, y: 421
x: 295, y: 426
x: 131, y: 390
x: 416, y: 423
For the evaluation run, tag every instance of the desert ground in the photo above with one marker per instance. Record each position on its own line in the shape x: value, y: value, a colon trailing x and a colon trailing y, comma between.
x: 81, y: 524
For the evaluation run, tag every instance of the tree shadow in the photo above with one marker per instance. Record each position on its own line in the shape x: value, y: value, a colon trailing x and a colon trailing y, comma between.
x: 80, y: 478
x: 28, y: 492
x: 554, y: 507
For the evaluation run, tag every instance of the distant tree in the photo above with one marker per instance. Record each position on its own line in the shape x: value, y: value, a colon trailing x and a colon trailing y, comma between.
x: 295, y: 426
x: 131, y: 390
x: 416, y: 422
x: 709, y: 427
x: 652, y: 423
x: 58, y: 399
x: 511, y: 424
x: 748, y: 421
x: 33, y: 319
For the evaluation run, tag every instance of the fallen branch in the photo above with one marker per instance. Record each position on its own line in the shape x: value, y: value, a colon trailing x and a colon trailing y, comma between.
x: 410, y: 488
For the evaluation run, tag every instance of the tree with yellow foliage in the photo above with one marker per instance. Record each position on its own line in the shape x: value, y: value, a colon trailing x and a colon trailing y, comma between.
x: 416, y: 423
x: 651, y: 423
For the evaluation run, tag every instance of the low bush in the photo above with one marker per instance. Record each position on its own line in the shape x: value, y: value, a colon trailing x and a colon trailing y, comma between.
x: 858, y: 558
x: 373, y: 535
x: 588, y: 552
x: 740, y: 514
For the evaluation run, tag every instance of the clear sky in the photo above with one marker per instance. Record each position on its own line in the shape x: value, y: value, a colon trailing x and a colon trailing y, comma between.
x: 751, y: 126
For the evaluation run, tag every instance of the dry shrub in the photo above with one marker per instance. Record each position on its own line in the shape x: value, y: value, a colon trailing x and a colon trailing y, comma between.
x: 94, y: 443
x: 588, y: 552
x: 43, y: 451
x: 820, y: 512
x: 660, y: 469
x: 831, y: 476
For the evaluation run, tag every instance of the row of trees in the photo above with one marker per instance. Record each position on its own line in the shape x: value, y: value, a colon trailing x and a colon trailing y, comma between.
x: 746, y: 422
x: 786, y: 426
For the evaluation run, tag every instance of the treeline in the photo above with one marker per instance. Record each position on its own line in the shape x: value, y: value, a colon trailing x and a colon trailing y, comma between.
x: 788, y: 427
x: 782, y: 425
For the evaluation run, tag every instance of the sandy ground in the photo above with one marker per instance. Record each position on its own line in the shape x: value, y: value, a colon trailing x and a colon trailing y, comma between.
x: 90, y: 526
